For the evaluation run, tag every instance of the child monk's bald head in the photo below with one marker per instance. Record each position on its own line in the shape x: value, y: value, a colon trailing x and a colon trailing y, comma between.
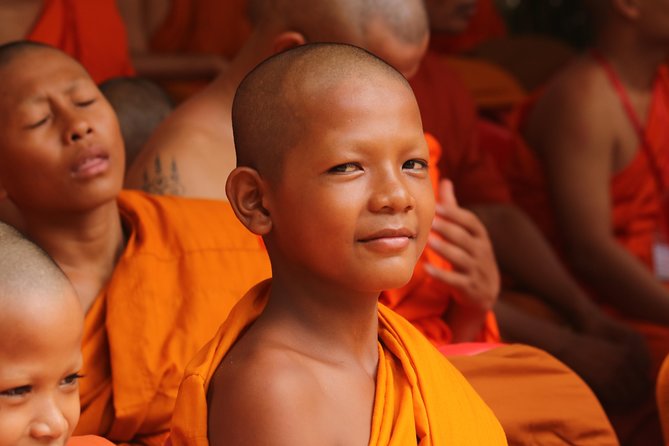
x: 28, y: 273
x: 272, y: 107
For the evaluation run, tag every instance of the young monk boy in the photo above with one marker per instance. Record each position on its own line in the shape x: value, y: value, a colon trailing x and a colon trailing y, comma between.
x: 154, y: 275
x: 312, y: 350
x: 41, y: 324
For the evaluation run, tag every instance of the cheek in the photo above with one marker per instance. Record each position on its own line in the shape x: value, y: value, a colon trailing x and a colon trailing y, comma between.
x: 13, y: 425
x: 72, y: 410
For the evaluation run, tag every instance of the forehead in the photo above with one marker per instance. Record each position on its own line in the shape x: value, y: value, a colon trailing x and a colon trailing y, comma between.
x: 38, y: 71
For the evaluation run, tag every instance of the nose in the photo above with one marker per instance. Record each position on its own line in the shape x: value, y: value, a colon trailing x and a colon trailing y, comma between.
x: 77, y: 126
x: 50, y: 422
x: 391, y: 194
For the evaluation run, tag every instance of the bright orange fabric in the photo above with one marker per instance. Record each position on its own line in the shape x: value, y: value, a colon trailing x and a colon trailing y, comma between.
x: 92, y: 32
x: 89, y: 440
x: 538, y: 400
x: 486, y: 24
x: 419, y: 395
x: 185, y: 266
x: 449, y: 114
x: 424, y: 300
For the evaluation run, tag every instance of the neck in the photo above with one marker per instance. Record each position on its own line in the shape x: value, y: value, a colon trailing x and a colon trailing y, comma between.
x: 341, y: 325
x: 634, y: 59
x: 85, y: 245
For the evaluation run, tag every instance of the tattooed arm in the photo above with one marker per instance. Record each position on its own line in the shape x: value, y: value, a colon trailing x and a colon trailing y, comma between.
x: 162, y: 182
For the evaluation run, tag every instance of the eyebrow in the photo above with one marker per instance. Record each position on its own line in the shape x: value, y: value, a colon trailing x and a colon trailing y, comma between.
x: 39, y: 98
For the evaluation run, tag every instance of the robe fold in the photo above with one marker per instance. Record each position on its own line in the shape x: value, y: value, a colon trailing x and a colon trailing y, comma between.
x: 92, y: 32
x: 420, y: 398
x: 537, y: 399
x: 185, y: 265
x: 88, y: 440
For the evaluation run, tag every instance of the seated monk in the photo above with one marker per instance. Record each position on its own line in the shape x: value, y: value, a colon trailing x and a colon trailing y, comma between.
x: 397, y: 31
x: 591, y: 167
x: 91, y: 32
x: 335, y: 356
x: 154, y: 275
x: 578, y: 332
x: 41, y: 324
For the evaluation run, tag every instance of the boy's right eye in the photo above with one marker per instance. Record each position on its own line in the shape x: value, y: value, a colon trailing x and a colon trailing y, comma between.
x: 345, y: 168
x: 16, y: 392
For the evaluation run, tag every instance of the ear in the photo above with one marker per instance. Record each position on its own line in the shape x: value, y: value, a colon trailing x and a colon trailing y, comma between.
x: 287, y: 40
x: 246, y: 193
x: 629, y: 9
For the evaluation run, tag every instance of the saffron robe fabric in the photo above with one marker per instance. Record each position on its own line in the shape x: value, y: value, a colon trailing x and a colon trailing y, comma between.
x: 537, y: 399
x: 91, y: 31
x: 88, y: 440
x: 424, y: 301
x: 420, y: 398
x: 185, y: 265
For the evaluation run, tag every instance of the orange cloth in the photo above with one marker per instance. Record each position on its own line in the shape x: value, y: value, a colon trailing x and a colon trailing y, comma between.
x: 420, y: 397
x: 89, y: 440
x: 486, y: 24
x: 184, y: 267
x: 538, y: 400
x: 92, y: 32
x: 424, y: 300
x: 203, y: 26
x: 449, y: 114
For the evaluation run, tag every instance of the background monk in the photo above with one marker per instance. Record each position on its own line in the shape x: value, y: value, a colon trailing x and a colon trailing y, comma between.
x: 334, y: 356
x: 560, y: 318
x: 597, y: 150
x: 41, y: 324
x: 154, y: 275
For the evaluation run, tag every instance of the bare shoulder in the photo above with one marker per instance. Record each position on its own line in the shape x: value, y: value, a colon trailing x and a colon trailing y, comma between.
x: 577, y: 107
x: 264, y: 395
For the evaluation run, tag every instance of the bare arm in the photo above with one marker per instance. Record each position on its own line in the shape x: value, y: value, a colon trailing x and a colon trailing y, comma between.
x: 575, y: 140
x: 462, y: 241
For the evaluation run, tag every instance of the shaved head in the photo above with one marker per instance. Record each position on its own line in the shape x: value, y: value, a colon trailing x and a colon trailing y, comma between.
x: 271, y: 107
x: 342, y: 20
x: 26, y: 271
x: 11, y: 50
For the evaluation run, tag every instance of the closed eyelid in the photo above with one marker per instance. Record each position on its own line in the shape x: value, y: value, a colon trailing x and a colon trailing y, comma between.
x: 16, y: 391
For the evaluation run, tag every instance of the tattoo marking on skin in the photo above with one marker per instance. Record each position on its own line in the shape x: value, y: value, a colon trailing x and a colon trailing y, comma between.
x: 162, y: 184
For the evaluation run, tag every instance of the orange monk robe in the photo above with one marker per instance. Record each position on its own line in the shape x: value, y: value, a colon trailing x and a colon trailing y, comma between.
x: 203, y: 26
x: 425, y: 301
x: 92, y: 32
x: 449, y: 114
x: 635, y: 202
x: 420, y: 398
x: 185, y: 265
x: 486, y: 24
x: 537, y: 399
x: 89, y: 440
x: 662, y: 396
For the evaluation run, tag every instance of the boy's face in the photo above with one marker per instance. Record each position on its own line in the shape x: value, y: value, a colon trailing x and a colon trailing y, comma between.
x: 354, y: 203
x: 40, y: 357
x: 60, y: 145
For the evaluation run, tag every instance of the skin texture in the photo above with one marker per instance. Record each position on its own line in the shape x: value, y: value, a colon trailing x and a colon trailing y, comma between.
x: 40, y: 341
x: 318, y: 332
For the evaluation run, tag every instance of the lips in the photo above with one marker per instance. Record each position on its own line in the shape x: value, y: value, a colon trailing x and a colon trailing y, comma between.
x: 389, y: 240
x: 90, y: 163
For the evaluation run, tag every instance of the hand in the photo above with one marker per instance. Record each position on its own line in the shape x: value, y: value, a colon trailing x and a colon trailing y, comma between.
x: 460, y: 238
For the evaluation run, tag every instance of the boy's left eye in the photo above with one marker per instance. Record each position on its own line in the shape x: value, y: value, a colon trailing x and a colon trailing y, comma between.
x: 415, y: 164
x: 85, y: 103
x: 345, y: 168
x: 71, y: 380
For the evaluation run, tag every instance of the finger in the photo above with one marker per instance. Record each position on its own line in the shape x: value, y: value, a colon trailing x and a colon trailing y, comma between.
x: 454, y: 234
x: 462, y: 217
x: 446, y: 194
x: 461, y: 284
x: 458, y: 257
